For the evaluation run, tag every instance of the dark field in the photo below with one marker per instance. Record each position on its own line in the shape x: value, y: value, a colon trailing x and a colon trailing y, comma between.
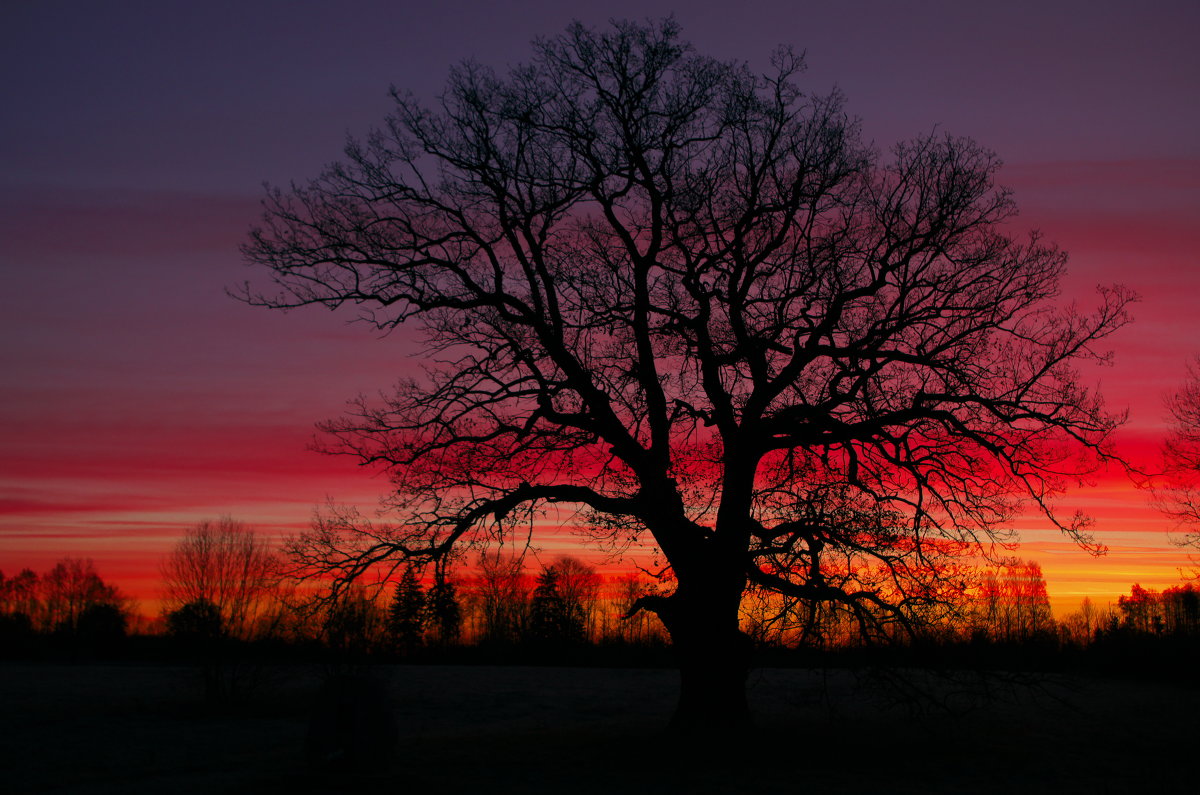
x: 134, y: 729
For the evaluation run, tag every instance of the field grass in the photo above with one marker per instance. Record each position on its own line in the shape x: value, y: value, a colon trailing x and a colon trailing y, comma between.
x: 145, y: 729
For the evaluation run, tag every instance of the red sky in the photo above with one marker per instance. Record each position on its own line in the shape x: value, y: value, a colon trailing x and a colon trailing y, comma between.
x: 138, y: 399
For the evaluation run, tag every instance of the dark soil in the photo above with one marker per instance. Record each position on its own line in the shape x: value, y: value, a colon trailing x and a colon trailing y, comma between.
x: 146, y: 729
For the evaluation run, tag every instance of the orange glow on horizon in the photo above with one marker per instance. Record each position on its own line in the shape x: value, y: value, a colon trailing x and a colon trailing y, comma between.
x: 118, y: 440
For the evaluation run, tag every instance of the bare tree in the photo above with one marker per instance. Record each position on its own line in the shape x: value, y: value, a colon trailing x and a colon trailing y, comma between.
x: 553, y: 620
x: 687, y: 300
x: 352, y: 626
x: 1141, y: 610
x: 633, y: 625
x: 71, y: 599
x: 70, y: 590
x: 445, y: 610
x: 226, y: 565
x: 1013, y: 604
x: 19, y: 595
x: 1181, y: 609
x: 501, y: 597
x: 579, y: 585
x: 1079, y: 628
x: 1178, y: 493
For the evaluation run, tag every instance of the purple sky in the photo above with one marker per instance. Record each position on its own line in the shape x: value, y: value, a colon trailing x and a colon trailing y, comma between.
x: 138, y: 399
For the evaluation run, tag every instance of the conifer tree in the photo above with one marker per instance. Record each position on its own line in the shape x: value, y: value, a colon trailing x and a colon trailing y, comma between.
x: 552, y: 619
x: 444, y: 612
x: 407, y: 615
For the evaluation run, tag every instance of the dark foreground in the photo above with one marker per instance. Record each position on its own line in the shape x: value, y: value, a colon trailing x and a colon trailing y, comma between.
x: 132, y: 729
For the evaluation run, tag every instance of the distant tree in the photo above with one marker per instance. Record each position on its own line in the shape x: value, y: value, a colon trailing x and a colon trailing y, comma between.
x: 18, y: 605
x: 680, y: 296
x: 1013, y: 603
x: 633, y: 624
x: 1090, y: 616
x: 19, y: 595
x: 198, y: 621
x: 546, y: 608
x: 579, y: 586
x: 70, y: 589
x: 501, y: 596
x: 70, y: 600
x: 408, y: 612
x: 1141, y: 610
x: 773, y: 619
x: 1174, y: 611
x: 1181, y: 609
x: 445, y: 611
x: 553, y: 619
x: 1080, y: 627
x: 198, y: 631
x: 352, y: 628
x: 222, y: 563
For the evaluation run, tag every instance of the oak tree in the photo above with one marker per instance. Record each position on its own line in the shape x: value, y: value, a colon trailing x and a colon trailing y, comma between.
x: 1178, y: 492
x: 671, y: 299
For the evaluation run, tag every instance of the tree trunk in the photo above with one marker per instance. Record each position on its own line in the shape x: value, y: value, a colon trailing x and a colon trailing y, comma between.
x: 713, y: 655
x: 712, y: 685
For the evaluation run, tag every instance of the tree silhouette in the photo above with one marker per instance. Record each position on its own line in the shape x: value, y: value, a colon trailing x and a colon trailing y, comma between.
x: 407, y: 613
x: 635, y: 624
x: 1174, y: 611
x: 223, y: 564
x: 1141, y: 610
x: 553, y: 619
x: 579, y: 586
x: 688, y: 302
x: 1179, y: 493
x: 197, y: 622
x: 19, y: 597
x: 445, y: 612
x: 71, y: 600
x: 1079, y: 628
x: 70, y: 590
x: 501, y: 597
x: 1014, y: 605
x: 1181, y: 609
x: 199, y: 632
x: 352, y: 627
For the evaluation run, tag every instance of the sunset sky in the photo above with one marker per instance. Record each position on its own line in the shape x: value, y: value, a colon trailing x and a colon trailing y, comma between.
x: 138, y: 399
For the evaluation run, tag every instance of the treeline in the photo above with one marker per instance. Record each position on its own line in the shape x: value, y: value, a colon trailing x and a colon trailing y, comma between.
x: 70, y: 606
x: 1004, y: 618
x: 221, y: 581
x: 1004, y: 603
x: 497, y: 603
x: 1006, y: 607
x: 225, y: 592
x: 495, y: 609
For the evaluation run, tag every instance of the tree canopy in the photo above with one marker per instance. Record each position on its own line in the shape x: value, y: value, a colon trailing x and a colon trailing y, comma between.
x: 220, y: 565
x: 1179, y: 491
x: 687, y: 301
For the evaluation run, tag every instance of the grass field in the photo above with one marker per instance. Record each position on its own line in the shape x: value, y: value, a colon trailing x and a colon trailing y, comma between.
x: 144, y: 729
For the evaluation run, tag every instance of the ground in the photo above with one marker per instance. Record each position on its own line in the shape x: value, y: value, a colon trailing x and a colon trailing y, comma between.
x: 144, y: 729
